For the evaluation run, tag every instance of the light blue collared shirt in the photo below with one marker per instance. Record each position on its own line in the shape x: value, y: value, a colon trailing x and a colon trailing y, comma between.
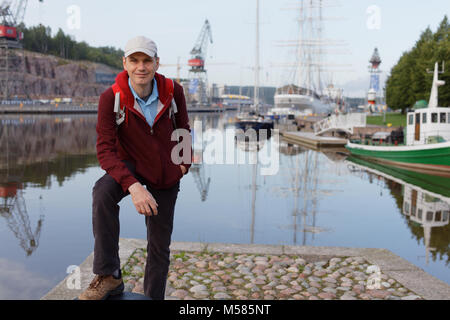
x: 149, y: 107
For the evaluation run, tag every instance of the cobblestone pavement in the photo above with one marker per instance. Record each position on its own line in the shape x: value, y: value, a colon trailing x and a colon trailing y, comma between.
x: 223, y: 276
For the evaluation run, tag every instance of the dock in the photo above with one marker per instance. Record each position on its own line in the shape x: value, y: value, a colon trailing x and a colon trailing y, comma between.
x: 210, y: 109
x: 309, y: 139
x: 63, y: 108
x: 228, y: 264
x: 47, y: 109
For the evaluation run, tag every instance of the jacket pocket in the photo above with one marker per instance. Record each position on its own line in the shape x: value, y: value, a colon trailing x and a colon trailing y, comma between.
x: 173, y: 174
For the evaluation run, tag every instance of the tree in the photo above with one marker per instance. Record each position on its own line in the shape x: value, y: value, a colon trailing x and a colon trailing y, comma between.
x: 39, y: 39
x: 409, y: 80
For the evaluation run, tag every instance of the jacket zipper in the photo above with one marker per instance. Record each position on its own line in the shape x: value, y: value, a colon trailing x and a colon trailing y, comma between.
x: 151, y: 127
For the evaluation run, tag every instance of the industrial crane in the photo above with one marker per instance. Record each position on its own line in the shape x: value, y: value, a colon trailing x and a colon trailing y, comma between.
x: 198, y: 80
x: 11, y: 16
x: 197, y: 62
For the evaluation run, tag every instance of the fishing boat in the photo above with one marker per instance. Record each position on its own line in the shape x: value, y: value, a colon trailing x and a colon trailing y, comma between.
x: 427, y: 147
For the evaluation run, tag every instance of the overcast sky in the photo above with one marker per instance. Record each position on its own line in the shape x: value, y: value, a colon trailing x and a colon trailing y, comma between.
x: 361, y: 25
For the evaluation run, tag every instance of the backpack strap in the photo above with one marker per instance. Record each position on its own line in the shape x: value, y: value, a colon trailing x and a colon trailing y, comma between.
x: 173, y: 106
x: 118, y: 106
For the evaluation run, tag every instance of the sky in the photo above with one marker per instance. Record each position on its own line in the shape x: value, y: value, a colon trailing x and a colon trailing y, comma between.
x: 393, y: 26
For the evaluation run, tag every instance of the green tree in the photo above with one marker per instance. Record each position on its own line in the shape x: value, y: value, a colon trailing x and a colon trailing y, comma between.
x: 409, y: 80
x: 39, y: 39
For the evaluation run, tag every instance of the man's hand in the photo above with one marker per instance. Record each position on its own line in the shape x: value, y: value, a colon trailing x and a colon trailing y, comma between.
x: 183, y: 169
x: 143, y: 200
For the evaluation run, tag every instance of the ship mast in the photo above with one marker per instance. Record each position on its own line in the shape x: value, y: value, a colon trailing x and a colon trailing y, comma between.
x: 256, y: 89
x: 433, y: 102
x: 299, y: 48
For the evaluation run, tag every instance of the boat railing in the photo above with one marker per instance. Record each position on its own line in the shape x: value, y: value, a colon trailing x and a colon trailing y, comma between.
x: 345, y: 122
x: 429, y: 137
x: 382, y: 143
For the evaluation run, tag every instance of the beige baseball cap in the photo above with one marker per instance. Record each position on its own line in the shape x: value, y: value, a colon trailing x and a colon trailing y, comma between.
x: 141, y: 44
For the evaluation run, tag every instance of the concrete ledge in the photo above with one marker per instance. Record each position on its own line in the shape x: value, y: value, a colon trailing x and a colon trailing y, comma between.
x: 62, y: 291
x: 243, y: 248
x: 404, y: 272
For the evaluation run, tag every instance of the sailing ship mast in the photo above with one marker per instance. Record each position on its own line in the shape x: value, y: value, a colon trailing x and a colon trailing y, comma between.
x: 310, y: 63
x: 299, y: 48
x: 256, y: 89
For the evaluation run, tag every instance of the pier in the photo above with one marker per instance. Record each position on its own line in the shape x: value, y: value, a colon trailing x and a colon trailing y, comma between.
x: 247, y: 271
x: 47, y: 108
x: 90, y: 108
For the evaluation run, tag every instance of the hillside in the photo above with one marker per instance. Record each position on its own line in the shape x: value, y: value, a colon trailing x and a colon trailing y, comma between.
x: 41, y: 76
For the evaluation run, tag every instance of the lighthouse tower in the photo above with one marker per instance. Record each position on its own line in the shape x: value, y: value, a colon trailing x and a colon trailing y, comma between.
x: 374, y: 87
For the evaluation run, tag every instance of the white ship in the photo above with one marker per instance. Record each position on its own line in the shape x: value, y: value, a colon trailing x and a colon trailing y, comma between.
x: 305, y: 94
x: 298, y: 100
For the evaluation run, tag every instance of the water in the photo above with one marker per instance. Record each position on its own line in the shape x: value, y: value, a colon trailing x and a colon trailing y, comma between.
x: 48, y: 167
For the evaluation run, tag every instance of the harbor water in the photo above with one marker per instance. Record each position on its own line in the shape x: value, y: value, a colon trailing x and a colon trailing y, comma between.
x: 48, y: 167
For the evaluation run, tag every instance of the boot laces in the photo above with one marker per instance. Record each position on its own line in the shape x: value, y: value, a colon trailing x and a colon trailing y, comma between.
x: 96, y: 282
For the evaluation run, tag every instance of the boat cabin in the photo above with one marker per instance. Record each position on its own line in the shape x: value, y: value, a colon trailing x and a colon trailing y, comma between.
x: 428, y: 125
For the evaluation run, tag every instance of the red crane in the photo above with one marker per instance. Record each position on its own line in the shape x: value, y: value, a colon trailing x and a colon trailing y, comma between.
x: 197, y: 61
x: 11, y: 16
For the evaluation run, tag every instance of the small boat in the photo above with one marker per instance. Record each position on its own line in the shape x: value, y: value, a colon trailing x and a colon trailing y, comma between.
x: 283, y: 113
x: 427, y: 147
x: 253, y: 120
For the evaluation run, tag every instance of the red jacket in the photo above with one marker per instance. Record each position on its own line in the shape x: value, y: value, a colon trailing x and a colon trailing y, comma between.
x: 148, y: 148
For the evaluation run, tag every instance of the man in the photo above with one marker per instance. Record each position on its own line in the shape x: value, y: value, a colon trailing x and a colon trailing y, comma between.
x: 134, y: 146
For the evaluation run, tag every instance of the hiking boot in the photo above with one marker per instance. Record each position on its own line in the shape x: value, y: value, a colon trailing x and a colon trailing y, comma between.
x: 102, y: 287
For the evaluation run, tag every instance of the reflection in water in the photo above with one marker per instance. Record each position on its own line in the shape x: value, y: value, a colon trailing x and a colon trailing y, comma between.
x: 23, y: 282
x: 252, y: 148
x: 291, y: 207
x: 35, y: 148
x: 427, y: 211
x: 422, y: 199
x: 303, y: 174
x: 306, y: 180
x: 37, y: 139
x: 198, y: 173
x: 14, y: 210
x: 197, y: 169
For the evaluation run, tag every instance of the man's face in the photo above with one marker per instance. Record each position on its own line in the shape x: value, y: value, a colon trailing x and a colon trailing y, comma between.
x: 141, y: 68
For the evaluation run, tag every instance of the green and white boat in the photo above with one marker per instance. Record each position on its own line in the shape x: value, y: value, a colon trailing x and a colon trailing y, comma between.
x: 427, y: 147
